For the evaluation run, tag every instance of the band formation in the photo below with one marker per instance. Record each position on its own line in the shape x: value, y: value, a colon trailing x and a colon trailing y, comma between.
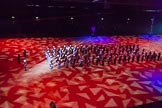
x: 88, y: 55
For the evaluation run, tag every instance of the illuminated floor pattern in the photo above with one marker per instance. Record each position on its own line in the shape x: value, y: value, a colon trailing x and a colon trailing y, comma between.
x: 114, y: 86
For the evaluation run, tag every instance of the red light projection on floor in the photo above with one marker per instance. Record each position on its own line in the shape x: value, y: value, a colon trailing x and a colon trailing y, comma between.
x: 114, y: 86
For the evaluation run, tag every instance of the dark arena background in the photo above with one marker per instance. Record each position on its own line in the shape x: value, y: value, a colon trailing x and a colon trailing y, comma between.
x: 80, y: 54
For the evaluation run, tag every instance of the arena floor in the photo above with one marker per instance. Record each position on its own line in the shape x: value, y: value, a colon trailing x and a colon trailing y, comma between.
x: 113, y: 86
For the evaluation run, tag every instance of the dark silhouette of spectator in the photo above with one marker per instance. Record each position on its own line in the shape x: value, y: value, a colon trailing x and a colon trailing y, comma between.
x: 147, y: 58
x: 115, y: 59
x: 129, y: 57
x: 146, y: 55
x: 124, y: 59
x: 154, y: 56
x: 25, y: 53
x: 138, y: 58
x: 142, y: 59
x: 18, y: 59
x: 52, y: 104
x: 97, y: 60
x: 109, y: 60
x: 159, y: 54
x: 133, y: 57
x: 103, y: 62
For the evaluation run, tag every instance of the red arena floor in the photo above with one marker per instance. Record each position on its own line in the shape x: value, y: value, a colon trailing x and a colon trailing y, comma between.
x: 110, y: 86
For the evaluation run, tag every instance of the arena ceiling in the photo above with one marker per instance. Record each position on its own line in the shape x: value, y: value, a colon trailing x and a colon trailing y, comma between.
x: 46, y: 8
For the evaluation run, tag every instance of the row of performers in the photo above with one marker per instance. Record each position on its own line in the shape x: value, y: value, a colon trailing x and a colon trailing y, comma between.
x: 98, y: 54
x: 93, y: 49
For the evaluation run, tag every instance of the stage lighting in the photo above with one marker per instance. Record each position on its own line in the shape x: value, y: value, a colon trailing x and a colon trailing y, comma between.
x: 37, y: 5
x: 13, y: 17
x: 95, y: 1
x: 50, y: 6
x: 72, y: 7
x: 29, y: 5
x: 72, y: 18
x: 128, y: 19
x: 36, y: 18
x: 102, y: 19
